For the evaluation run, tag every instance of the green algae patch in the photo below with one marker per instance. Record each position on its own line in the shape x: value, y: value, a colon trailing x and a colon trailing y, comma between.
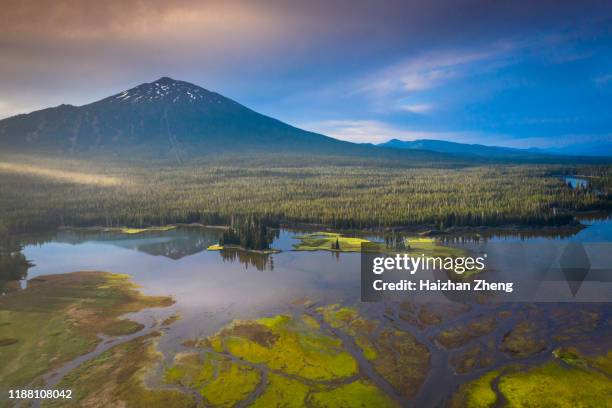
x: 57, y: 318
x: 348, y: 320
x: 189, y: 370
x: 284, y: 392
x: 304, y: 366
x: 329, y: 241
x: 476, y: 394
x: 116, y: 379
x: 553, y: 384
x: 126, y: 230
x: 460, y: 335
x: 431, y: 247
x: 525, y: 339
x: 134, y: 231
x: 337, y: 316
x: 356, y: 394
x: 305, y: 362
x: 602, y: 363
x: 232, y: 383
x: 568, y: 380
x: 287, y: 344
x: 396, y: 355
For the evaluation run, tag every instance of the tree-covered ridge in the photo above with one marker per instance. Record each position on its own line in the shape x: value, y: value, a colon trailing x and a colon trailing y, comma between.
x: 336, y: 194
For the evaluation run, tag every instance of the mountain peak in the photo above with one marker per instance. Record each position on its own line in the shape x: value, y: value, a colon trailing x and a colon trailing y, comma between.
x: 166, y: 80
x: 166, y: 89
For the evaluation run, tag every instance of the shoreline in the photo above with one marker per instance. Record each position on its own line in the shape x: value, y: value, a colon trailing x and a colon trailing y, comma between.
x: 417, y: 230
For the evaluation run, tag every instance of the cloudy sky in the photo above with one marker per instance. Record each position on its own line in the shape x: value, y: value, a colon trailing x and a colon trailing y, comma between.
x: 512, y: 73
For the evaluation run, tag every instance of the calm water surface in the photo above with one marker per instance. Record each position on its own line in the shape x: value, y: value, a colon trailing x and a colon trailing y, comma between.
x: 212, y: 288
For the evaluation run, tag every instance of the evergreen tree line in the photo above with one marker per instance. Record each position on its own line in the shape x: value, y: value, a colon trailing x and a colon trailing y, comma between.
x: 251, y: 198
x: 249, y: 232
x: 13, y: 264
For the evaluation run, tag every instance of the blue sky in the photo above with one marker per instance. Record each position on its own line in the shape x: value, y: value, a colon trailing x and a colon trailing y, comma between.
x: 505, y: 73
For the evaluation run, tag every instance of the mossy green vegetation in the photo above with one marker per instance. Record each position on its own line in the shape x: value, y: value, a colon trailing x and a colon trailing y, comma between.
x: 302, y: 363
x: 337, y: 242
x: 431, y: 247
x: 220, y: 381
x: 555, y: 385
x: 116, y: 379
x: 396, y: 355
x: 127, y: 230
x: 526, y: 338
x: 58, y: 318
x: 476, y: 394
x: 282, y: 391
x: 355, y: 394
x: 238, y: 249
x: 474, y: 357
x: 570, y: 380
x: 459, y: 335
x: 133, y: 231
x: 288, y: 344
x: 348, y: 320
x: 430, y: 314
x: 329, y: 241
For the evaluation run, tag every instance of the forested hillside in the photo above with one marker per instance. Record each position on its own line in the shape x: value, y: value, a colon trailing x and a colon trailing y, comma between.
x: 41, y: 194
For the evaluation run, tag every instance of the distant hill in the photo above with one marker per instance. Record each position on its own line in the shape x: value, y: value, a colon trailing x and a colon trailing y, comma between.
x: 583, y: 149
x: 463, y: 149
x: 168, y: 118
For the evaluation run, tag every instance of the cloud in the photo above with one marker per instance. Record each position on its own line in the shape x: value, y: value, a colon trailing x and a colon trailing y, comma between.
x: 419, y: 108
x: 431, y: 75
x: 374, y: 131
x: 429, y: 70
x: 603, y: 79
x: 359, y: 131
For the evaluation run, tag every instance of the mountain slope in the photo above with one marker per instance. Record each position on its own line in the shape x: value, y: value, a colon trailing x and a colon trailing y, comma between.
x: 165, y: 113
x: 168, y: 118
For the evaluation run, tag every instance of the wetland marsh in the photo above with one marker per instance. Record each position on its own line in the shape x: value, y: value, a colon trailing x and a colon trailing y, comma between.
x: 239, y: 328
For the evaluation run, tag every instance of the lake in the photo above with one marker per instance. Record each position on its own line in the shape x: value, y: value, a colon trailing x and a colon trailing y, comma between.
x: 213, y: 288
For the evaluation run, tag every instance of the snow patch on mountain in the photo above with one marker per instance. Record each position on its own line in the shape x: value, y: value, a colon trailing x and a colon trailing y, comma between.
x: 167, y: 89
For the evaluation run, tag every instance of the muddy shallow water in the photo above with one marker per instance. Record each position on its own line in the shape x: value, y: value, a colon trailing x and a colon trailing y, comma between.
x: 213, y: 288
